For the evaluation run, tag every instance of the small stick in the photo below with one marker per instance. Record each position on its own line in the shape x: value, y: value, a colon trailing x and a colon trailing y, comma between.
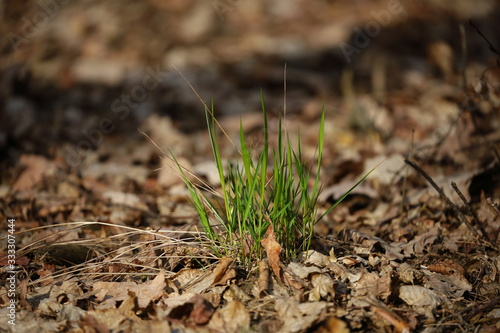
x: 461, y: 217
x: 484, y: 308
x: 493, y: 205
x: 471, y: 211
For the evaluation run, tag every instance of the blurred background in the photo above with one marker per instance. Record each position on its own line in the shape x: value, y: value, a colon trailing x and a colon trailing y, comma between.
x: 65, y: 65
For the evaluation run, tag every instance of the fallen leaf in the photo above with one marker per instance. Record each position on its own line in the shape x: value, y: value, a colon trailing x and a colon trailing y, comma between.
x: 422, y: 300
x: 190, y: 309
x: 263, y: 281
x: 323, y: 287
x: 36, y: 167
x: 298, y: 317
x: 372, y: 286
x: 231, y: 318
x: 220, y: 275
x: 273, y: 251
x: 119, y: 291
x: 447, y: 267
x: 453, y: 285
x: 333, y: 325
x: 313, y: 257
x: 399, y: 324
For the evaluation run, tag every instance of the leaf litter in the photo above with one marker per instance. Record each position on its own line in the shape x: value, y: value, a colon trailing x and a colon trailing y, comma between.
x: 394, y: 256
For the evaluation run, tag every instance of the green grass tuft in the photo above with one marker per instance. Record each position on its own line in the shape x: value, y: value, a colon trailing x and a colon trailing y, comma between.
x: 253, y: 197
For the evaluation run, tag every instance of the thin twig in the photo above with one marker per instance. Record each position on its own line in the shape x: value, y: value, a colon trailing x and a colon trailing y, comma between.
x: 484, y: 308
x: 493, y: 205
x: 490, y: 45
x: 461, y: 217
x: 471, y: 211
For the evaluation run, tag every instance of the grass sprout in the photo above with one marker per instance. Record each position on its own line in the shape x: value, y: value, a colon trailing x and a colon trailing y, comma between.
x: 263, y: 188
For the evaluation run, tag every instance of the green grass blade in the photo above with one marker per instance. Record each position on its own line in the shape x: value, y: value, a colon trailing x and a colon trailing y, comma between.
x: 245, y: 154
x: 263, y: 161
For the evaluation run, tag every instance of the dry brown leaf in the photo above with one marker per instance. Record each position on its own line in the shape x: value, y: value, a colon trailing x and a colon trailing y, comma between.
x: 112, y: 319
x: 191, y: 309
x: 130, y: 305
x: 453, y: 285
x: 36, y: 168
x: 343, y: 273
x: 185, y: 278
x: 50, y: 305
x: 399, y: 325
x: 358, y: 237
x: 165, y: 135
x: 231, y: 318
x: 417, y: 245
x: 372, y: 286
x: 295, y: 274
x: 313, y: 257
x: 323, y: 287
x: 303, y: 271
x: 221, y: 270
x: 406, y: 273
x: 263, y: 281
x: 333, y: 325
x: 292, y: 280
x: 338, y: 190
x: 115, y: 173
x: 422, y: 300
x: 119, y: 291
x: 273, y: 251
x: 298, y: 317
x: 220, y: 275
x: 447, y: 267
x: 208, y: 170
x: 89, y: 323
x: 388, y: 170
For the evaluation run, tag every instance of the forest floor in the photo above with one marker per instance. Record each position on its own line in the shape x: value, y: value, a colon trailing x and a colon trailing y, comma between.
x: 99, y: 234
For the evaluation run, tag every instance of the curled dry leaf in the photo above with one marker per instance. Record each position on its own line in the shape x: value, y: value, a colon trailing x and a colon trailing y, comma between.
x: 68, y: 290
x: 333, y: 325
x: 343, y: 273
x: 299, y: 317
x: 323, y: 287
x: 190, y: 309
x: 447, y: 267
x: 406, y: 273
x: 220, y: 272
x: 303, y: 271
x: 263, y: 282
x: 231, y: 318
x: 313, y: 257
x: 453, y: 285
x: 371, y: 286
x: 273, y: 251
x: 399, y: 325
x: 220, y: 275
x: 422, y: 300
x: 119, y: 291
x: 36, y: 167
